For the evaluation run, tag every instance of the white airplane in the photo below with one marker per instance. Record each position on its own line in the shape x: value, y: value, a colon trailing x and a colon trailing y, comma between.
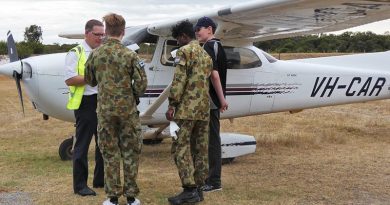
x: 257, y: 83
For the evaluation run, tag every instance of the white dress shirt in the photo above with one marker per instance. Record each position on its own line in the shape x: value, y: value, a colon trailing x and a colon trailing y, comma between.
x: 71, y: 61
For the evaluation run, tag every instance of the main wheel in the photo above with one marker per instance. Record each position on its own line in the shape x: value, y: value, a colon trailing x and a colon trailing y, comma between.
x: 65, y: 151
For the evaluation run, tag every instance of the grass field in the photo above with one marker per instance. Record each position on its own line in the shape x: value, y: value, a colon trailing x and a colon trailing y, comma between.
x: 332, y: 155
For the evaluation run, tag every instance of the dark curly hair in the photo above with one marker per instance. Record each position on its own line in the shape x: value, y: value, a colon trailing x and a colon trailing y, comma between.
x: 183, y: 27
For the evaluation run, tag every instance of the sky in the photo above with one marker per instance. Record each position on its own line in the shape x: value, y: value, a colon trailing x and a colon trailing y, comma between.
x: 56, y: 16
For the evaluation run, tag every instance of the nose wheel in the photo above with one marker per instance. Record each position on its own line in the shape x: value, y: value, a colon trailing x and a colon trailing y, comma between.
x: 66, y: 149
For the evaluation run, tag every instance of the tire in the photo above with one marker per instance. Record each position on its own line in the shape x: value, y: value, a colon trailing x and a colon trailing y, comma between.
x: 227, y: 160
x: 65, y: 151
x: 152, y: 141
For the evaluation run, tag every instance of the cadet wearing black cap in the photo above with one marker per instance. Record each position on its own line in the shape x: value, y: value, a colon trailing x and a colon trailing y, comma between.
x: 204, y: 30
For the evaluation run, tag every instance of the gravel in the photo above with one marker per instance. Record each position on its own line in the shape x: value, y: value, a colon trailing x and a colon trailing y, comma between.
x: 15, y: 198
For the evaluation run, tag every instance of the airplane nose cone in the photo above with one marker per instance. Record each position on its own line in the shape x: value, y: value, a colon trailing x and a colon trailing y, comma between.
x: 9, y: 68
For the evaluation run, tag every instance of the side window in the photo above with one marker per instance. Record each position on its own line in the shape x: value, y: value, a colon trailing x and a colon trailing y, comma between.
x: 146, y: 51
x: 166, y: 57
x: 241, y: 58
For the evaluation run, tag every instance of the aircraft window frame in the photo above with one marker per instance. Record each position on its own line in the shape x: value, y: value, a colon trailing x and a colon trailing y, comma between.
x: 269, y: 57
x: 238, y: 56
x: 166, y: 58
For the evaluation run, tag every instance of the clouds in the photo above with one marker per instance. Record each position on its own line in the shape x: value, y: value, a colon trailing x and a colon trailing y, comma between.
x: 59, y: 16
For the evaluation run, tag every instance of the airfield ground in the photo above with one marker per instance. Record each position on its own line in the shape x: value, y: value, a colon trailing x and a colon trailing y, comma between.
x: 332, y: 155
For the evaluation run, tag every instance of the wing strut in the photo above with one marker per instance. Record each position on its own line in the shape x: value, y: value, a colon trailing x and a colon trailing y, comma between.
x: 156, y: 104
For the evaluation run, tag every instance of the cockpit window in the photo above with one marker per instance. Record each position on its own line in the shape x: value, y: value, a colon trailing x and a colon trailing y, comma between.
x: 146, y: 51
x: 237, y: 58
x: 241, y: 58
x: 166, y: 57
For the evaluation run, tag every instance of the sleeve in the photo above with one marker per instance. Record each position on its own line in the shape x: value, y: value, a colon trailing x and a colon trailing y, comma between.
x: 89, y: 72
x: 70, y: 65
x: 140, y: 81
x: 179, y: 80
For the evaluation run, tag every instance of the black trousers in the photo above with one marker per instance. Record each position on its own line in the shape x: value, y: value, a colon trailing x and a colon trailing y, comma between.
x: 215, y: 154
x: 86, y: 126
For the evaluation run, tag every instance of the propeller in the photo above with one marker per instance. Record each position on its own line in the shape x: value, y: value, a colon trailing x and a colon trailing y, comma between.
x: 13, y: 56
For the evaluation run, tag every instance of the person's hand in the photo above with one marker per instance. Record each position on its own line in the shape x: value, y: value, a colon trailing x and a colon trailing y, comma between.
x: 224, y: 106
x: 169, y: 114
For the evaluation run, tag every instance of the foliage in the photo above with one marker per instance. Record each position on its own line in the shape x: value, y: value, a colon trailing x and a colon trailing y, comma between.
x: 347, y: 42
x: 56, y: 48
x: 3, y: 48
x: 24, y: 49
x: 33, y: 33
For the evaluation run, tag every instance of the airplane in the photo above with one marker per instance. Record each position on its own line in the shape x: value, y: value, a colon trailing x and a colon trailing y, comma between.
x: 257, y: 83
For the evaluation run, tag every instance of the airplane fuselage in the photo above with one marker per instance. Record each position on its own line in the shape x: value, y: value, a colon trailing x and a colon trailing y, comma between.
x: 256, y: 84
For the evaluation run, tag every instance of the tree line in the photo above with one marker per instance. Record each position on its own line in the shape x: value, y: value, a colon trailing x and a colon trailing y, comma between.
x: 32, y: 44
x: 347, y: 42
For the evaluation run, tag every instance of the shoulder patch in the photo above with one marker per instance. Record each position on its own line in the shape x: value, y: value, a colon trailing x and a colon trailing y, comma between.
x: 177, y: 60
x: 141, y: 64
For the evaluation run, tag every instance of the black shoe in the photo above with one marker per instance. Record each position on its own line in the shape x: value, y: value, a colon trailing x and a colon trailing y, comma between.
x: 189, y: 195
x: 86, y: 191
x: 211, y: 188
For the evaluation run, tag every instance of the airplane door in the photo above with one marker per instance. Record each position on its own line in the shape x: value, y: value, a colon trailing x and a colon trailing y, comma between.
x: 163, y: 62
x: 163, y: 70
x: 264, y: 89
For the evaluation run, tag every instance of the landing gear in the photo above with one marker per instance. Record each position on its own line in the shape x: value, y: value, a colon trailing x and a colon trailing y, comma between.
x: 152, y: 141
x: 154, y: 135
x: 66, y: 149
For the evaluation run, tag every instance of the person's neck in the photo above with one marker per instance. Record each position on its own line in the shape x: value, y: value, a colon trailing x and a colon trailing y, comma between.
x: 115, y: 37
x: 210, y: 37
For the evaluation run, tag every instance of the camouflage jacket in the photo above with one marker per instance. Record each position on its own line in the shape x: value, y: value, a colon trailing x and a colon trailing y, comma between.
x: 120, y: 76
x: 189, y: 94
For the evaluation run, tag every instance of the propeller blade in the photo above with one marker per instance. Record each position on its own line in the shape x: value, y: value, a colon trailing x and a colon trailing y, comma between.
x: 17, y: 78
x: 12, y: 52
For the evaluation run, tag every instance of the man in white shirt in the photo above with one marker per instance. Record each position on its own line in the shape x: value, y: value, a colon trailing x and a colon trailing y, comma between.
x: 83, y: 100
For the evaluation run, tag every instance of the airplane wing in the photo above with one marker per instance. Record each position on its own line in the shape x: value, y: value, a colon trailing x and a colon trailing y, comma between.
x: 272, y: 19
x: 72, y: 35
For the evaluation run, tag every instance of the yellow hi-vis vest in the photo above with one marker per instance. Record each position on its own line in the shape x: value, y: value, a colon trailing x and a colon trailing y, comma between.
x: 76, y: 92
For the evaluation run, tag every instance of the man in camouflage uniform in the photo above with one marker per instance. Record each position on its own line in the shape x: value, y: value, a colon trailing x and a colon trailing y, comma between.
x: 120, y: 77
x: 189, y: 107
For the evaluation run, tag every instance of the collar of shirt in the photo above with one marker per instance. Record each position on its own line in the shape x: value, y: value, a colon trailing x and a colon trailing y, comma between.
x: 86, y: 47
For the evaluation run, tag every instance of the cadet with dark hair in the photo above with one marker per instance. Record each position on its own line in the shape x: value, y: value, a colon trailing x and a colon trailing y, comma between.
x: 205, y: 29
x: 120, y: 76
x: 189, y: 108
x: 82, y: 99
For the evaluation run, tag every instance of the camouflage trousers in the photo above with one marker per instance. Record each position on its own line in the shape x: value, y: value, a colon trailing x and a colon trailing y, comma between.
x: 190, y: 152
x: 120, y: 137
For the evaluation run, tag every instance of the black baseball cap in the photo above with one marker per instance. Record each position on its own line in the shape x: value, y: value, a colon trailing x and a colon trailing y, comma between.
x: 205, y: 22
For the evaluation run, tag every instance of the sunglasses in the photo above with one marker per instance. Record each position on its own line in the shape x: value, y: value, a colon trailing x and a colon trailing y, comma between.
x: 101, y: 35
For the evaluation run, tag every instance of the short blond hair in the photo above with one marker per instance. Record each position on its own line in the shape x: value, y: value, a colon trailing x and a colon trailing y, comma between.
x: 115, y: 24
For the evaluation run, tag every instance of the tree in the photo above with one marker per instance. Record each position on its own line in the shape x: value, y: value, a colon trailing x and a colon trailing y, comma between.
x: 3, y: 48
x: 33, y: 34
x: 24, y: 50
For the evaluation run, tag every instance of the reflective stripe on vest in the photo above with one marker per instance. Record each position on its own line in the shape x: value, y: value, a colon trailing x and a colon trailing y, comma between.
x: 76, y: 92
